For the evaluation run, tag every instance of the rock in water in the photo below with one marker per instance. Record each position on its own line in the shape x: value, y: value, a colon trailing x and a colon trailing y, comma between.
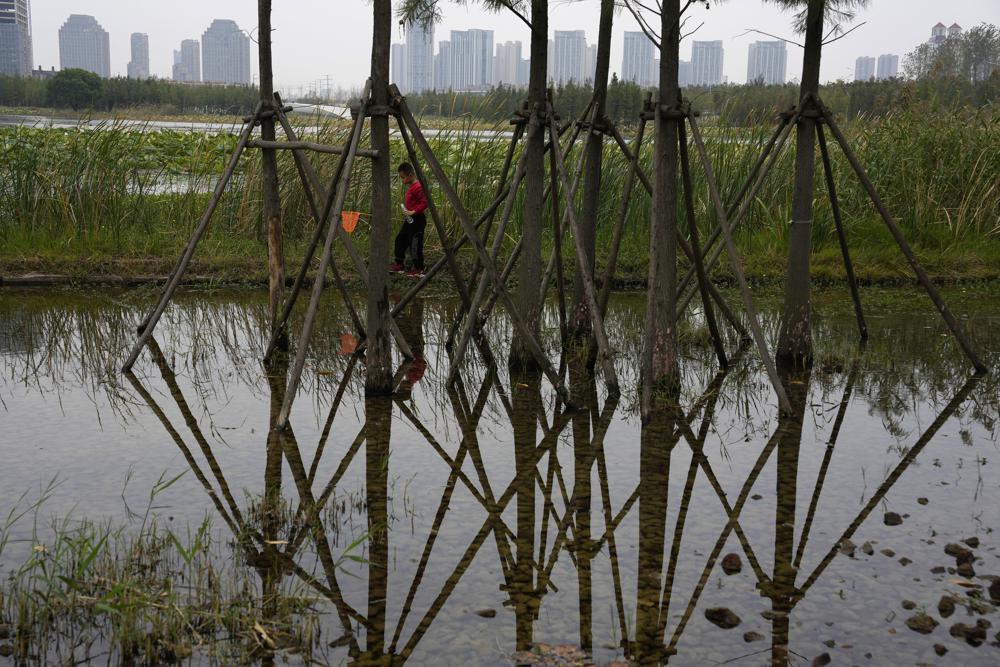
x: 972, y: 542
x: 751, y: 636
x: 995, y: 590
x: 732, y: 564
x: 946, y: 606
x: 847, y: 547
x: 722, y: 617
x: 892, y: 519
x: 822, y: 660
x: 923, y: 501
x: 966, y: 570
x: 486, y: 613
x: 909, y: 605
x: 940, y: 649
x: 974, y: 635
x: 888, y: 553
x: 868, y: 549
x: 921, y: 623
x: 959, y: 553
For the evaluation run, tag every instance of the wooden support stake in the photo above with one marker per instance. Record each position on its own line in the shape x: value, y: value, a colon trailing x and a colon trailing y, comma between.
x: 557, y: 249
x: 312, y: 187
x: 897, y: 234
x: 831, y: 189
x: 620, y: 218
x: 324, y: 262
x: 605, y: 356
x: 741, y: 212
x: 692, y: 218
x: 748, y: 182
x: 149, y: 323
x: 519, y: 323
x: 734, y: 259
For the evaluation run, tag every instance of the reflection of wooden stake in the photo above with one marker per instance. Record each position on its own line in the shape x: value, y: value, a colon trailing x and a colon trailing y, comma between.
x: 831, y: 189
x: 149, y: 323
x: 735, y: 262
x: 897, y: 234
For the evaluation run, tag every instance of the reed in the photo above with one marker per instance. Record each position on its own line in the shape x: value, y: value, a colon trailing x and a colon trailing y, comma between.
x: 124, y: 196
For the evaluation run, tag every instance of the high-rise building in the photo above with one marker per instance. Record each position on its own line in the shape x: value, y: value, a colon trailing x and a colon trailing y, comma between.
x: 16, y: 58
x: 706, y: 63
x: 420, y: 57
x: 591, y: 70
x: 138, y: 67
x: 766, y: 63
x: 442, y: 66
x: 887, y: 67
x: 187, y: 61
x: 397, y: 66
x: 507, y: 64
x: 84, y: 44
x: 685, y: 73
x: 471, y: 60
x: 639, y: 59
x: 225, y: 53
x: 864, y: 68
x: 569, y: 57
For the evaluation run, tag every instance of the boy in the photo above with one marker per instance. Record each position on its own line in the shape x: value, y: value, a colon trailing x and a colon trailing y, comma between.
x: 411, y: 235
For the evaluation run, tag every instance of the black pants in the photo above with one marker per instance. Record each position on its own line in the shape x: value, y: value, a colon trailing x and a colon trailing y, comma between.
x: 411, y: 237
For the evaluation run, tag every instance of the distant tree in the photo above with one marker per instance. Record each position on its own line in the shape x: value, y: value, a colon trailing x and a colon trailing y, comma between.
x: 76, y: 89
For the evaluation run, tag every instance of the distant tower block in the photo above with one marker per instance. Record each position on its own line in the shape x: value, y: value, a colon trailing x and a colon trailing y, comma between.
x: 16, y: 58
x: 84, y: 44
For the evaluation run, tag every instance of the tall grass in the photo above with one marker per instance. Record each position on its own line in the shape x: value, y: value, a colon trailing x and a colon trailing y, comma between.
x: 122, y: 192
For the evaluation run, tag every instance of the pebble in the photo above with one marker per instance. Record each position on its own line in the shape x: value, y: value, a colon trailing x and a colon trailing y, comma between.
x: 966, y: 570
x: 892, y: 519
x: 972, y: 542
x: 486, y: 613
x: 722, y: 617
x: 946, y: 606
x: 938, y: 569
x: 867, y: 548
x: 922, y: 501
x: 889, y: 553
x: 756, y: 496
x: 752, y: 636
x: 822, y: 660
x: 904, y: 561
x: 995, y: 590
x: 940, y: 649
x: 847, y: 547
x: 974, y: 635
x: 959, y: 553
x: 909, y: 605
x: 732, y: 564
x: 921, y: 623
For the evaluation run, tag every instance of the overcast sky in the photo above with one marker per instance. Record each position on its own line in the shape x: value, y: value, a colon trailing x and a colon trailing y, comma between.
x: 314, y: 39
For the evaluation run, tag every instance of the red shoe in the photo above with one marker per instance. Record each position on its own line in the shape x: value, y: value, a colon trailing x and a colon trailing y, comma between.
x: 415, y: 273
x: 395, y: 267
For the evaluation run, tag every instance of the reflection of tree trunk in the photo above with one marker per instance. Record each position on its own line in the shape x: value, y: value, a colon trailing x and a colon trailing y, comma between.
x: 529, y: 272
x: 782, y: 588
x: 592, y: 177
x: 660, y: 362
x: 657, y: 441
x: 269, y: 563
x: 378, y: 424
x: 378, y: 357
x: 269, y: 169
x: 584, y: 391
x: 795, y: 344
x: 526, y: 402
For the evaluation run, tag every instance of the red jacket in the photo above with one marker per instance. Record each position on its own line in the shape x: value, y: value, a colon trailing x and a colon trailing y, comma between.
x: 414, y: 200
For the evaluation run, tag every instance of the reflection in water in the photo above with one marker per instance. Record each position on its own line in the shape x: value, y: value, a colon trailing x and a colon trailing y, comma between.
x: 533, y: 501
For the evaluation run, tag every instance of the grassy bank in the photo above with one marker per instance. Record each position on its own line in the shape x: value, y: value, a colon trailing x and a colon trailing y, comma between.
x: 122, y: 202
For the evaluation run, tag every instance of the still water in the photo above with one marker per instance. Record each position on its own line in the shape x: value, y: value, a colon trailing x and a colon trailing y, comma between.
x: 493, y: 526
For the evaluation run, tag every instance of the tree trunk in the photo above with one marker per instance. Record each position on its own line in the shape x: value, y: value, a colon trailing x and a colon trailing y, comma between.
x: 378, y: 356
x: 529, y: 275
x: 660, y: 367
x: 592, y: 177
x: 795, y: 343
x: 269, y: 171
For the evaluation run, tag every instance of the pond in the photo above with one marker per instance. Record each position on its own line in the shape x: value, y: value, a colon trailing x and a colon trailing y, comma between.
x: 483, y: 522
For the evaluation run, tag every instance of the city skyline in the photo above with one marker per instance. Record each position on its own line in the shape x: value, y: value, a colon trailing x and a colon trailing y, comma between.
x: 347, y: 67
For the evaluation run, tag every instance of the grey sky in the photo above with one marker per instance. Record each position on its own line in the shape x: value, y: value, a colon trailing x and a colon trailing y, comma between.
x: 316, y: 38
